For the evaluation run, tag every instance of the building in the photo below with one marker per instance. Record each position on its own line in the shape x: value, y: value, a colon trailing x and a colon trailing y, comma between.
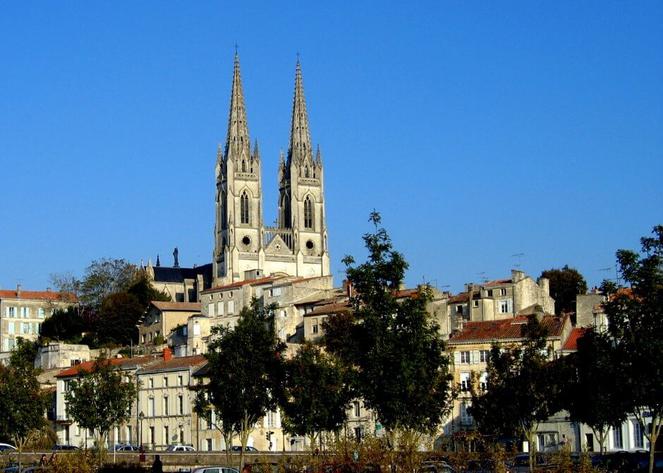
x: 162, y: 318
x: 244, y: 247
x: 181, y: 284
x: 469, y: 351
x: 500, y: 299
x: 70, y: 433
x: 165, y: 402
x: 22, y: 313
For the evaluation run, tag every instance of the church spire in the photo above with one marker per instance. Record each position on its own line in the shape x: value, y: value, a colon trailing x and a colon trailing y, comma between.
x: 238, y: 129
x: 300, y: 137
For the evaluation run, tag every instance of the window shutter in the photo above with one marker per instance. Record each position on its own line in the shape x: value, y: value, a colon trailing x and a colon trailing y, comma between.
x: 457, y: 358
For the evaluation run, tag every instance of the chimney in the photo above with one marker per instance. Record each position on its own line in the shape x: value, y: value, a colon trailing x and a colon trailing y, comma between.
x: 167, y: 354
x: 544, y: 283
x: 517, y: 275
x: 18, y: 290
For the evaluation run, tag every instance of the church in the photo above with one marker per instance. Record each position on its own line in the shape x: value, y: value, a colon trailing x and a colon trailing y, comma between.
x: 244, y: 247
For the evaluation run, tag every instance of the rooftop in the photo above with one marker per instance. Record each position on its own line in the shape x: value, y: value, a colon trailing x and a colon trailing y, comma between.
x: 506, y: 329
x: 175, y: 363
x: 87, y: 366
x: 177, y: 306
x: 37, y: 295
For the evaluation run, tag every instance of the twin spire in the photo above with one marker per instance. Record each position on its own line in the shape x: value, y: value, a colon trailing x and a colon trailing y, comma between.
x: 238, y: 142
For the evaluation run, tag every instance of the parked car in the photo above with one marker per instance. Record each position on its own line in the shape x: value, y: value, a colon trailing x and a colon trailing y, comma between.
x: 125, y: 448
x: 215, y: 469
x: 520, y: 463
x: 439, y: 466
x: 59, y: 447
x: 180, y: 448
x: 6, y: 447
x: 238, y: 448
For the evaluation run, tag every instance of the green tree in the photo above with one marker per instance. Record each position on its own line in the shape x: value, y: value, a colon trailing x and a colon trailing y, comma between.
x: 317, y: 393
x: 392, y: 344
x: 118, y: 315
x: 144, y: 291
x: 635, y: 323
x: 22, y: 402
x: 65, y: 325
x: 100, y: 399
x: 565, y: 284
x: 597, y: 393
x: 521, y: 390
x: 102, y: 277
x: 245, y: 371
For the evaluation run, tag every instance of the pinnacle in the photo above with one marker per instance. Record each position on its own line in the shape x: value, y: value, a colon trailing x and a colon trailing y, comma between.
x: 300, y: 136
x: 238, y: 130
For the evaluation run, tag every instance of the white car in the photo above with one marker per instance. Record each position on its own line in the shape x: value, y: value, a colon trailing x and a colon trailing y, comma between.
x: 214, y: 469
x: 180, y: 448
x: 5, y: 447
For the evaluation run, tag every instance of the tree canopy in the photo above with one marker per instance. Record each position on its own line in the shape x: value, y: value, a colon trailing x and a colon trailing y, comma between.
x: 635, y: 323
x: 245, y: 370
x: 317, y: 392
x: 392, y: 343
x: 100, y: 399
x: 521, y: 389
x: 565, y: 284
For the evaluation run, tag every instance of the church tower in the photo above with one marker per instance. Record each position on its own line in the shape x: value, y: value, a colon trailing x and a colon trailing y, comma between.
x: 238, y: 195
x: 244, y: 247
x: 301, y: 191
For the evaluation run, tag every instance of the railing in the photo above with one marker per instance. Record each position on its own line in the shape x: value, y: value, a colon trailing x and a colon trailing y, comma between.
x: 285, y: 234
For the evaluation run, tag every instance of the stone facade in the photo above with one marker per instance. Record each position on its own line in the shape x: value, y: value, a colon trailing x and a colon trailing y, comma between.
x: 22, y: 313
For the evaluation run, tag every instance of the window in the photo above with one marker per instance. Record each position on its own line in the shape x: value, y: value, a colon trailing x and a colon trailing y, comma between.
x: 25, y: 327
x: 483, y: 381
x: 617, y: 440
x: 459, y: 309
x: 180, y: 380
x: 271, y: 419
x: 129, y: 434
x: 244, y: 208
x: 10, y: 327
x: 490, y: 293
x: 150, y: 407
x: 506, y: 306
x: 465, y: 417
x: 502, y: 292
x: 465, y: 357
x: 11, y: 311
x: 465, y: 382
x: 209, y: 445
x: 196, y: 328
x: 475, y: 303
x: 308, y: 212
x: 180, y: 404
x: 231, y: 307
x: 152, y: 438
x: 165, y: 381
x: 638, y: 439
x: 166, y: 436
x: 25, y: 312
x: 150, y: 382
x: 314, y: 329
x: 165, y: 407
x: 356, y: 409
x: 484, y: 355
x: 41, y: 313
x: 211, y: 310
x: 219, y: 307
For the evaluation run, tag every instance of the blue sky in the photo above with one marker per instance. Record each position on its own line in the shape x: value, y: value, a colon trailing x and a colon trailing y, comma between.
x: 480, y: 130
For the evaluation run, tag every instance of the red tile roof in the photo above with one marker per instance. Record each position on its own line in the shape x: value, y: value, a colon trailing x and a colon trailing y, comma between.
x: 251, y: 282
x: 88, y: 365
x: 177, y: 306
x: 507, y: 329
x: 459, y: 298
x: 175, y: 363
x: 571, y: 343
x: 38, y: 295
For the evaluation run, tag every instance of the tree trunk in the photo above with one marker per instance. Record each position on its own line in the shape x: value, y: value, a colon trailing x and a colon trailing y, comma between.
x: 653, y: 437
x: 600, y: 436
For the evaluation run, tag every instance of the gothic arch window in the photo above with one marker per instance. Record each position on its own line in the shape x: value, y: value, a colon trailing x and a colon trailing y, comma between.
x: 308, y: 212
x: 244, y: 207
x: 306, y: 172
x: 243, y: 165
